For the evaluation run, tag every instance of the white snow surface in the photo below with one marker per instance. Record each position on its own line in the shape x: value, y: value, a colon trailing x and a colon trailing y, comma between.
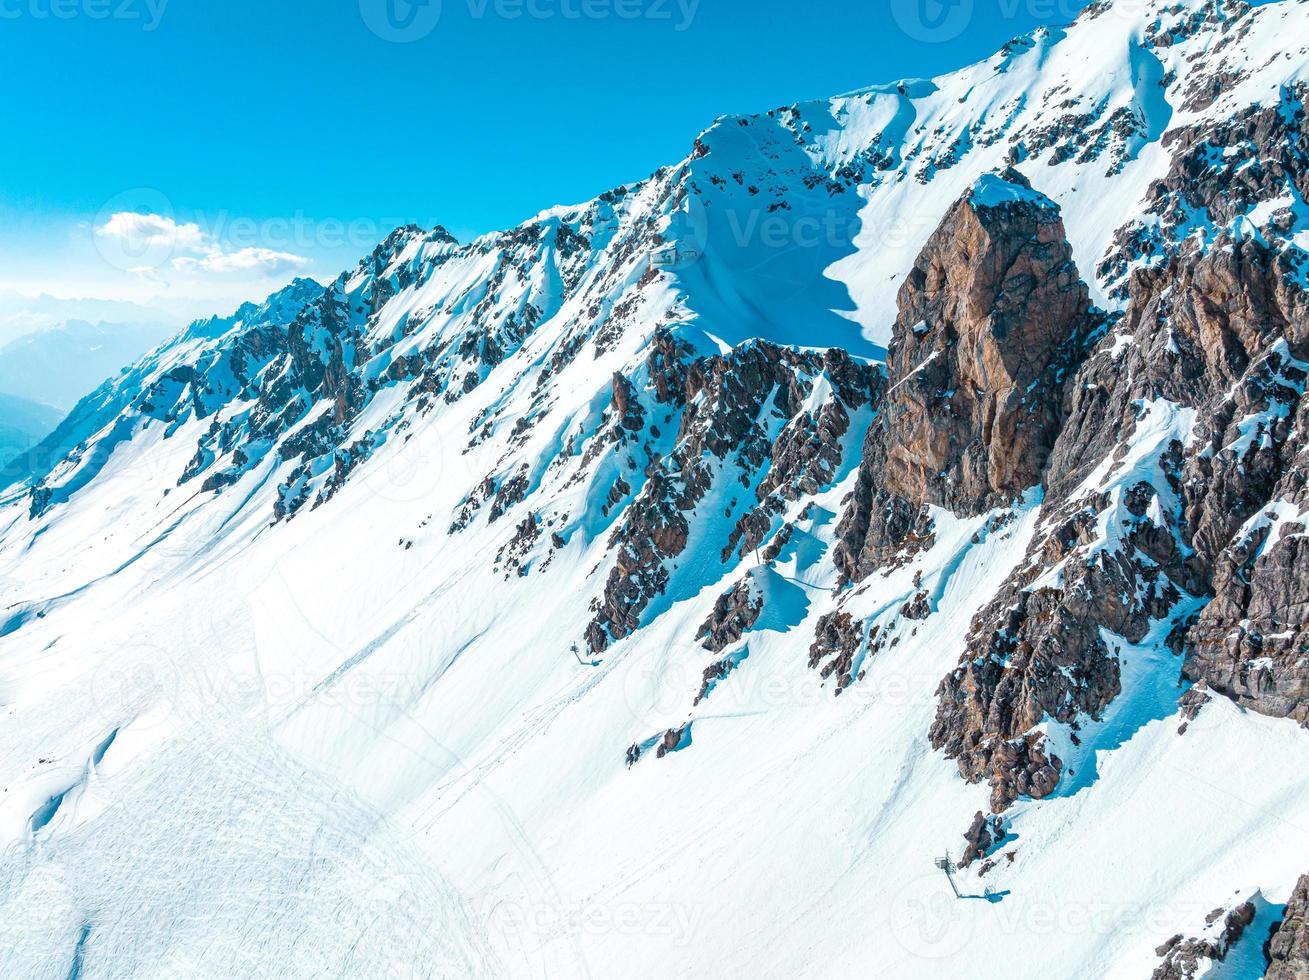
x: 349, y: 744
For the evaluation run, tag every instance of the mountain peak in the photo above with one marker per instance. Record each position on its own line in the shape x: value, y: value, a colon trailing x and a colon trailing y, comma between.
x: 1009, y: 187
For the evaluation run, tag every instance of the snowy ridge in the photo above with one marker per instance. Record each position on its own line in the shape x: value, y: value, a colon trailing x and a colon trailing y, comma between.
x: 477, y: 614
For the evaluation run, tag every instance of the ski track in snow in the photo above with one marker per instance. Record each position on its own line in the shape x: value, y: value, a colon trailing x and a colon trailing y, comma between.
x: 230, y: 749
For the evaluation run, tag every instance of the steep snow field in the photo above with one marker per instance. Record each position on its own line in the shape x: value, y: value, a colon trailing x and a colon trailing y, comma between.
x: 290, y: 740
x: 303, y: 727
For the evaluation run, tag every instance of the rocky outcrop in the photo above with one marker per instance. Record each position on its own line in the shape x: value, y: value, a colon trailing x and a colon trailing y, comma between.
x: 994, y: 325
x: 808, y: 452
x: 839, y: 637
x: 1219, y: 172
x: 878, y: 528
x: 674, y: 740
x: 1288, y: 947
x: 1246, y: 500
x: 715, y: 673
x: 626, y: 406
x: 994, y: 320
x: 1176, y: 436
x: 735, y: 611
x: 984, y: 834
x: 1189, y: 959
x: 1037, y: 653
x: 744, y: 418
x: 514, y: 555
x: 1250, y: 642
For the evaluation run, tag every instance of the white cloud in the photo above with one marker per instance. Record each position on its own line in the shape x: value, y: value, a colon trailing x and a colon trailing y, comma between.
x: 261, y: 260
x: 151, y: 241
x: 146, y: 231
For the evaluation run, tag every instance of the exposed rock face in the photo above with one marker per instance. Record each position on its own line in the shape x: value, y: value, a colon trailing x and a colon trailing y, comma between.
x: 983, y: 835
x: 1037, y: 652
x: 1169, y: 446
x: 1246, y: 499
x: 1250, y: 642
x: 1189, y: 423
x: 1180, y: 421
x: 1288, y: 949
x: 743, y: 418
x: 839, y: 639
x: 626, y: 405
x: 1219, y: 333
x: 809, y: 450
x: 1187, y: 959
x: 994, y: 325
x: 1221, y: 170
x: 878, y: 528
x: 993, y: 322
x: 735, y: 612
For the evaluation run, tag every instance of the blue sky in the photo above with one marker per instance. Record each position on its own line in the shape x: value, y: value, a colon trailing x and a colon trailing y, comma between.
x: 283, y: 136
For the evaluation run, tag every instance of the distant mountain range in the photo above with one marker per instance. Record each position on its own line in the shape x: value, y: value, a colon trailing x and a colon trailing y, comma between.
x: 43, y: 374
x: 59, y: 365
x: 23, y: 424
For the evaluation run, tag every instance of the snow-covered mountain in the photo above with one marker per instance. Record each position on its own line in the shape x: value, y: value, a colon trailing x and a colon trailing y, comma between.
x: 44, y: 373
x: 58, y: 365
x: 662, y: 586
x: 23, y: 424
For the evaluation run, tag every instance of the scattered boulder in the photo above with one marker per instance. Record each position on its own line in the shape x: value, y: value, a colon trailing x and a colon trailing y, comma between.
x: 839, y: 637
x: 1190, y: 959
x: 674, y: 740
x: 735, y: 612
x: 984, y: 834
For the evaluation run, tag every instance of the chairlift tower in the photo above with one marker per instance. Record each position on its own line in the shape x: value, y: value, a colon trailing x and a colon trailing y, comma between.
x: 946, y: 865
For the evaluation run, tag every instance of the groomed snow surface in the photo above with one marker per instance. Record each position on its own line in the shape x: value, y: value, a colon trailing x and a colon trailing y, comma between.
x: 269, y: 764
x: 351, y: 745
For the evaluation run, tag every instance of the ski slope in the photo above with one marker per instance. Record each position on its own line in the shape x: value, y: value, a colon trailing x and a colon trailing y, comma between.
x: 313, y: 720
